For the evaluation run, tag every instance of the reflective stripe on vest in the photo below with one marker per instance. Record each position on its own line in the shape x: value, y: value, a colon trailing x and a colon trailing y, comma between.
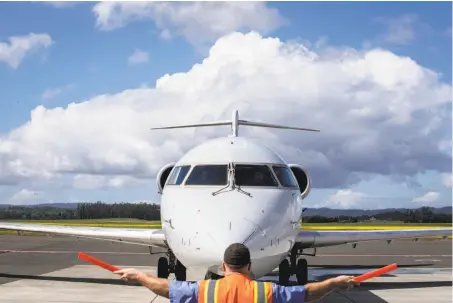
x: 209, y: 292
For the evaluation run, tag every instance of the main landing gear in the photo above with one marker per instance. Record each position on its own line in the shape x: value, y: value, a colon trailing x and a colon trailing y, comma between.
x: 299, y: 267
x: 168, y: 265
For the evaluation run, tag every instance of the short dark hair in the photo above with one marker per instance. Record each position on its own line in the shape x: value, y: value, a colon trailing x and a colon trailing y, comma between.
x: 237, y: 256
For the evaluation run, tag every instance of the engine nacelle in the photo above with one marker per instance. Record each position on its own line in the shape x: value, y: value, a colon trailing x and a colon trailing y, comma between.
x: 162, y: 176
x: 303, y: 179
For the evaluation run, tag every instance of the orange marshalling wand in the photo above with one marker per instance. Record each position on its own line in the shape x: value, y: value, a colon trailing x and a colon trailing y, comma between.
x: 97, y: 262
x: 376, y: 273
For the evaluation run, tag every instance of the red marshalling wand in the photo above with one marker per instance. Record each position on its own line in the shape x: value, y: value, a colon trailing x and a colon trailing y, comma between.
x: 97, y: 262
x: 361, y: 278
x: 376, y: 273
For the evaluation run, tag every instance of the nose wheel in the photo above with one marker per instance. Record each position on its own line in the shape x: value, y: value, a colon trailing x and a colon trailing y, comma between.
x: 168, y: 265
x: 163, y: 270
x: 302, y: 271
x: 293, y: 266
x: 284, y: 272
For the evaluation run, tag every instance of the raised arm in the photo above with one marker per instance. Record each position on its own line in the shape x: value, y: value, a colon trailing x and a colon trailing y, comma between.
x: 317, y: 290
x: 311, y: 291
x: 176, y: 291
x: 156, y: 285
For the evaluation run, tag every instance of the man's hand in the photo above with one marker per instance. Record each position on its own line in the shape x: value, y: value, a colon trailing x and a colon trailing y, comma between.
x: 156, y: 285
x: 345, y: 282
x: 130, y: 274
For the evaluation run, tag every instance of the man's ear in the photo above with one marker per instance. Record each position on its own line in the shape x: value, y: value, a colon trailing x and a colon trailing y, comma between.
x: 223, y: 267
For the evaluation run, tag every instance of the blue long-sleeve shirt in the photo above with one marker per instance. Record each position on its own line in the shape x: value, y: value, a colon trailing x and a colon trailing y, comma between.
x: 187, y: 292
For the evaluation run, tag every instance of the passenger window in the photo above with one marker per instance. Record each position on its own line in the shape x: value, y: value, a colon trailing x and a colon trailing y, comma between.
x: 285, y: 176
x: 208, y: 175
x: 254, y: 175
x: 178, y: 175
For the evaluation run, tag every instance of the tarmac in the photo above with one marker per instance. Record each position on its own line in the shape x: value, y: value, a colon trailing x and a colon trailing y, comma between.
x: 46, y: 269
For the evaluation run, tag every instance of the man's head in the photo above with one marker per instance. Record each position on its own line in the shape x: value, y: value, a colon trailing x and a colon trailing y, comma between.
x: 237, y: 259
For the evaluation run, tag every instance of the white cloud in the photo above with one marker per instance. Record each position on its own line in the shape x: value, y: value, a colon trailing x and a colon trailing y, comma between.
x: 25, y: 196
x: 19, y: 47
x: 198, y: 22
x: 429, y: 197
x: 372, y: 108
x: 447, y: 179
x: 51, y: 93
x: 138, y: 57
x: 401, y: 29
x: 344, y: 198
x: 82, y: 181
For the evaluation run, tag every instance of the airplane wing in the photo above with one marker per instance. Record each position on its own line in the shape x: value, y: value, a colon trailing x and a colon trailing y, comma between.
x: 314, y: 239
x: 137, y: 236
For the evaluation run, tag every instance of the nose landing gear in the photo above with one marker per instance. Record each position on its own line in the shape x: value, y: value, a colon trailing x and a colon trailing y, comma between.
x: 168, y: 265
x: 294, y: 266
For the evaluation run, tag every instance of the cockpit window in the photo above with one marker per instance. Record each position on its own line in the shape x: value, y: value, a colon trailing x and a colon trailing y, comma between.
x: 284, y: 176
x: 254, y: 175
x: 208, y: 175
x: 178, y: 174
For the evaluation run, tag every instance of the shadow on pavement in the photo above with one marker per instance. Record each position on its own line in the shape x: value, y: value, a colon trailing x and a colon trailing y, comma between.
x: 68, y: 279
x: 367, y: 266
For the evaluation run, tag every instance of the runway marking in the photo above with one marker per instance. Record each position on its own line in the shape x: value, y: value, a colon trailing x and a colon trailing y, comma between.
x: 427, y: 260
x: 139, y: 253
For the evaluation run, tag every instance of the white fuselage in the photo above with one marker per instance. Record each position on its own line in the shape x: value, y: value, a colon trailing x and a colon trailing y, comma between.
x: 198, y: 225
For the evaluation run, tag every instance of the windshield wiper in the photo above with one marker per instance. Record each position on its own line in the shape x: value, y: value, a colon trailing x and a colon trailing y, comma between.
x: 232, y: 182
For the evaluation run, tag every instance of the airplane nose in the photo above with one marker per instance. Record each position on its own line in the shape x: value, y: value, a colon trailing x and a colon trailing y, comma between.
x: 223, y: 234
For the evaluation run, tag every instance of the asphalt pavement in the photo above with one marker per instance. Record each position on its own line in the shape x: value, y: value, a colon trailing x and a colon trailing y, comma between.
x: 28, y: 258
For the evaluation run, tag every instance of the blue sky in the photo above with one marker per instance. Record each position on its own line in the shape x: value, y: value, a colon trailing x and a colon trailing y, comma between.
x: 91, y: 53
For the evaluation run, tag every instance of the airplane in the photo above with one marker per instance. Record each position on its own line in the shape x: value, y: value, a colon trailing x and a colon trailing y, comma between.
x: 228, y: 190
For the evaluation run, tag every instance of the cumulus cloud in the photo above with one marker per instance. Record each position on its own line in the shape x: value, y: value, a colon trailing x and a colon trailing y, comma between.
x: 25, y: 196
x: 344, y: 198
x: 18, y: 47
x: 429, y: 197
x: 82, y: 181
x: 138, y: 57
x: 372, y: 108
x: 198, y: 22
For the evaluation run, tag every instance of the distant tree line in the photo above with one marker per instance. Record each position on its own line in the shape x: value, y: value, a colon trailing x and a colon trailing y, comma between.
x: 421, y: 215
x: 98, y: 210
x: 151, y: 212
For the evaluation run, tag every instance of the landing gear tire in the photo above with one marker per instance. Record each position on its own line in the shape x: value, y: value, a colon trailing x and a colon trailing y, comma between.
x: 180, y: 271
x: 302, y: 272
x: 284, y: 272
x: 163, y: 270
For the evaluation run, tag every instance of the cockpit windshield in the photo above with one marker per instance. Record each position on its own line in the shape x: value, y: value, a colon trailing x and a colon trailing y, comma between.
x: 178, y: 174
x: 284, y: 176
x: 208, y: 175
x: 254, y: 175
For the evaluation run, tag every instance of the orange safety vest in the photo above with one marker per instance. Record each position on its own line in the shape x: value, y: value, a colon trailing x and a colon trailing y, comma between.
x: 235, y: 288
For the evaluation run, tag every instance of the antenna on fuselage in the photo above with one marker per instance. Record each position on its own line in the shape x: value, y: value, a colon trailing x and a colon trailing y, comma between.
x: 235, y: 122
